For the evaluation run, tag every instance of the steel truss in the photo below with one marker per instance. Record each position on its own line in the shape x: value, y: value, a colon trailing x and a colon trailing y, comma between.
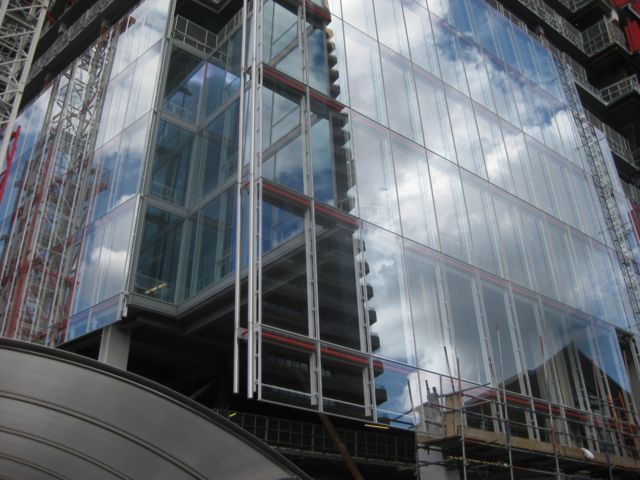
x: 21, y: 23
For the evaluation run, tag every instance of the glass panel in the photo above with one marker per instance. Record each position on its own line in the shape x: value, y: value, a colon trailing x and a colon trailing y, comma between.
x: 88, y: 269
x: 562, y: 264
x: 159, y: 255
x: 119, y: 168
x: 470, y: 348
x: 518, y: 160
x: 184, y: 85
x: 365, y: 75
x: 359, y: 13
x: 483, y: 31
x: 212, y: 241
x: 114, y: 252
x: 332, y: 165
x: 496, y: 307
x: 526, y: 310
x: 510, y: 235
x: 428, y: 308
x: 219, y: 86
x: 495, y: 154
x: 397, y: 394
x: 391, y: 31
x: 387, y: 300
x: 482, y: 221
x: 465, y: 133
x: 402, y: 104
x: 172, y: 163
x: 280, y: 114
x: 337, y: 277
x: 435, y: 116
x: 414, y: 191
x: 145, y: 79
x: 377, y: 196
x: 280, y: 46
x: 534, y: 237
x: 585, y: 274
x: 140, y: 29
x: 285, y: 165
x: 477, y: 77
x: 114, y: 110
x: 451, y: 64
x: 217, y: 160
x: 345, y: 383
x: 540, y: 180
x: 317, y: 59
x: 612, y: 365
x: 284, y: 266
x: 421, y: 43
x: 613, y: 309
x: 450, y: 208
x: 502, y: 93
x: 286, y: 369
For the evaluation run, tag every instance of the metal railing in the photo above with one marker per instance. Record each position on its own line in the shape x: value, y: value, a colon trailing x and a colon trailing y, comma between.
x: 616, y: 90
x: 313, y: 438
x: 194, y: 35
x: 601, y: 35
x: 575, y: 5
x: 199, y: 37
x: 618, y: 144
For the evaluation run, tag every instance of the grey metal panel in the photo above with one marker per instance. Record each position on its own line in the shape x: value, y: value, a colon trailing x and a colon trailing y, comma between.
x: 64, y: 416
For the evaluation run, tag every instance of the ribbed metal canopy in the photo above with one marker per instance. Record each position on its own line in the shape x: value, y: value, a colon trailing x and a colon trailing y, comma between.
x: 63, y: 416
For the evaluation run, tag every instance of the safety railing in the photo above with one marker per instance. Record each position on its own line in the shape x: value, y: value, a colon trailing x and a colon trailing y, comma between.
x: 500, y: 417
x: 575, y: 5
x: 194, y: 35
x: 601, y: 35
x: 618, y: 144
x: 621, y: 88
x: 313, y: 438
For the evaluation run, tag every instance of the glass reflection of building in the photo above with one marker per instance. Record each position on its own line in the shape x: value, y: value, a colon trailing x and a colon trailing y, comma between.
x: 417, y: 211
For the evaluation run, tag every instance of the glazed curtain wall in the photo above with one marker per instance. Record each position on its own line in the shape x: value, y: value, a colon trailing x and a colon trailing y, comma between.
x: 188, y: 240
x: 116, y: 170
x: 423, y: 206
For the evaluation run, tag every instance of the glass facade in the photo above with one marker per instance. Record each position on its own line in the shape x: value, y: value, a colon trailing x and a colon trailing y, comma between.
x: 435, y: 219
x: 416, y: 208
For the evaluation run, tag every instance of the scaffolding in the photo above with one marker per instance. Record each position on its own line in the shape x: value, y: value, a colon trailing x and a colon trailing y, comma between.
x: 38, y: 274
x: 21, y: 22
x: 488, y: 432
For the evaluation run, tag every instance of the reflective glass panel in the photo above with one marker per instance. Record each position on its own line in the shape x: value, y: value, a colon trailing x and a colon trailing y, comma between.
x: 172, y: 163
x: 471, y: 352
x: 482, y: 222
x: 339, y: 278
x: 284, y: 266
x: 402, y: 104
x: 450, y: 208
x: 365, y: 75
x: 414, y: 191
x: 159, y: 255
x: 184, y: 85
x: 428, y: 308
x: 397, y: 394
x: 377, y: 196
x: 387, y: 298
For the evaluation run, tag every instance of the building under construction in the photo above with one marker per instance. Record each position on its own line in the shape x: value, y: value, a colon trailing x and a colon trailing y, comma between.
x: 390, y: 238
